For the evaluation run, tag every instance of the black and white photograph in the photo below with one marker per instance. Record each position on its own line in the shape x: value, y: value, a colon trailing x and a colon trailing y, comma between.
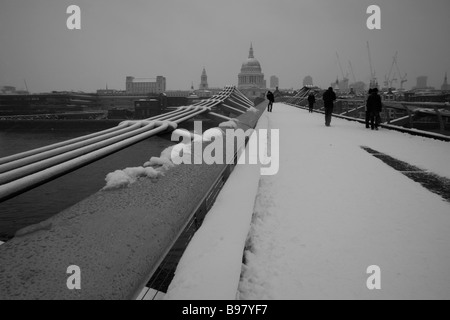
x: 231, y: 156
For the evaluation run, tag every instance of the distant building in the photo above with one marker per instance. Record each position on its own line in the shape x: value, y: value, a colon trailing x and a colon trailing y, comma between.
x: 113, y: 99
x: 335, y: 85
x: 203, y: 81
x: 426, y: 96
x: 143, y: 86
x: 178, y: 93
x: 308, y: 81
x: 274, y: 82
x: 341, y: 86
x: 277, y: 93
x: 107, y: 91
x: 46, y: 103
x: 8, y: 90
x: 146, y: 108
x: 358, y: 87
x: 422, y: 82
x: 445, y: 86
x: 251, y: 79
x: 203, y: 91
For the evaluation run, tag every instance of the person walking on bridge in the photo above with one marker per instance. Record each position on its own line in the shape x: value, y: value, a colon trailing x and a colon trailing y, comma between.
x: 367, y: 110
x: 311, y: 101
x: 328, y: 100
x: 271, y: 99
x: 374, y: 106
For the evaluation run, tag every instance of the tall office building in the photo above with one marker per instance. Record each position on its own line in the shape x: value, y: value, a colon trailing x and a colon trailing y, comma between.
x: 422, y: 82
x: 274, y: 82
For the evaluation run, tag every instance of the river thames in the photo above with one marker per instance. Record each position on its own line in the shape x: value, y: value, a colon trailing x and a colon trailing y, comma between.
x: 47, y: 200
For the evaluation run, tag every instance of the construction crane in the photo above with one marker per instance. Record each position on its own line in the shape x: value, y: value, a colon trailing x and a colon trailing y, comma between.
x: 402, y: 79
x: 394, y: 79
x: 26, y: 87
x: 351, y: 70
x: 345, y: 78
x: 373, y: 79
x: 387, y: 79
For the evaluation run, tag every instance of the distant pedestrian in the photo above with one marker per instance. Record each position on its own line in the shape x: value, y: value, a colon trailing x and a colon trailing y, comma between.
x: 328, y: 100
x: 367, y: 110
x: 374, y: 106
x: 311, y: 101
x: 271, y: 99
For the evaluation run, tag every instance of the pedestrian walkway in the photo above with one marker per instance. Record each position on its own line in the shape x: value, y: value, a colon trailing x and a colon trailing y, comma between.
x: 344, y: 201
x: 334, y: 209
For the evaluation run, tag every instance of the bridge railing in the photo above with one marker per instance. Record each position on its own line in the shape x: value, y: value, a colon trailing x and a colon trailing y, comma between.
x: 26, y: 170
x: 118, y: 237
x: 397, y: 115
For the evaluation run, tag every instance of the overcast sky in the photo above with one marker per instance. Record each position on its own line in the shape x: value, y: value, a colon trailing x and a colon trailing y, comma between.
x: 177, y: 38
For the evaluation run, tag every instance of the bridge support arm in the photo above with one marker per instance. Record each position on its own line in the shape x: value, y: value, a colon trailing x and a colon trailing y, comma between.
x: 410, y: 117
x: 441, y: 120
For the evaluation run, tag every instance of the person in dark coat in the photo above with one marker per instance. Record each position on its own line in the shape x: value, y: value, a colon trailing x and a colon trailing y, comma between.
x: 271, y: 99
x: 367, y: 111
x: 328, y: 100
x: 374, y: 106
x: 311, y: 101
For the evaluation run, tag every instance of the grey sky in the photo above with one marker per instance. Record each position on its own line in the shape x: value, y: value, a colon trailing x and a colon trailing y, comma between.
x: 177, y: 38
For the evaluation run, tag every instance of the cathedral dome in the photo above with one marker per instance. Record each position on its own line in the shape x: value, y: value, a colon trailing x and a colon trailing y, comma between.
x: 251, y: 79
x: 251, y: 65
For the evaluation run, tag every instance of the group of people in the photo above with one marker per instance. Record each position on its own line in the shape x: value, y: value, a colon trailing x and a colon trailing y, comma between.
x: 373, y: 106
x: 271, y: 98
x: 328, y: 97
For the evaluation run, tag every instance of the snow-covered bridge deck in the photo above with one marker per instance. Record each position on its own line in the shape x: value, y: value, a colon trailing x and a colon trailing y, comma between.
x: 335, y: 207
x: 331, y: 211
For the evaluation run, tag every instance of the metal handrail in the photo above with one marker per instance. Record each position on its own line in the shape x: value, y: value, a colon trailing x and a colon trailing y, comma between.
x: 56, y: 145
x: 59, y: 150
x: 25, y: 183
x: 25, y: 170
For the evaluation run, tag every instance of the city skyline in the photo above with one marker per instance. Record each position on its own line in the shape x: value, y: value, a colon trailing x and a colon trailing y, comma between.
x: 176, y: 39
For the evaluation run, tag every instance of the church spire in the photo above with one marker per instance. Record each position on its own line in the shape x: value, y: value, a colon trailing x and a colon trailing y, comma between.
x: 445, y: 86
x: 203, y: 80
x: 250, y: 55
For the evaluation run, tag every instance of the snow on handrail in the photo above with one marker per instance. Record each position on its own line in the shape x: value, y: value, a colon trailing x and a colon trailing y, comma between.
x: 63, y: 149
x: 37, y: 178
x: 26, y: 170
x: 56, y: 145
